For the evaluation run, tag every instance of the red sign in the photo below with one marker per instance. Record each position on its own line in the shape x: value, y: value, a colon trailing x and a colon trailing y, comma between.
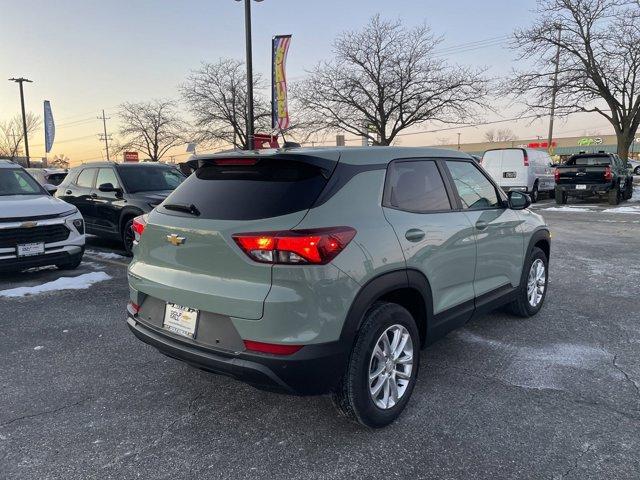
x: 541, y: 144
x: 130, y: 156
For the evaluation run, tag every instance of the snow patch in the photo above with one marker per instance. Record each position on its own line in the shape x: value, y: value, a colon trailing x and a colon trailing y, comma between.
x: 107, y: 255
x: 546, y: 367
x: 39, y: 347
x: 567, y: 209
x: 633, y: 209
x: 81, y: 282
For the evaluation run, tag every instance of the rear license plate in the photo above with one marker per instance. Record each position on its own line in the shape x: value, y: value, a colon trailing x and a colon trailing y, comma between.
x: 509, y: 174
x: 581, y: 187
x: 180, y: 320
x: 30, y: 249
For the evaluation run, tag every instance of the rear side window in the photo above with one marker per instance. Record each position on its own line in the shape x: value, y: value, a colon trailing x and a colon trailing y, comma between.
x: 415, y: 186
x: 85, y: 179
x: 588, y: 161
x: 474, y: 189
x: 269, y: 188
x: 56, y: 178
x: 146, y: 178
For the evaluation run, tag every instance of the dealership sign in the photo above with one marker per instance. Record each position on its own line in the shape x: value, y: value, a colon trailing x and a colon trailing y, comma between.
x: 130, y: 156
x: 586, y: 142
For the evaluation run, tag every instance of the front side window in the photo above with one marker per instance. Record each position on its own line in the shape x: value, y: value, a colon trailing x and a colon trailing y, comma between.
x: 474, y: 189
x: 415, y: 186
x: 145, y: 178
x: 14, y: 181
x: 107, y: 175
x: 85, y: 179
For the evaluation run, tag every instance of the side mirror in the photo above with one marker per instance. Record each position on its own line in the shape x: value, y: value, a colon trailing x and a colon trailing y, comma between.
x: 107, y: 187
x: 50, y: 188
x: 518, y: 200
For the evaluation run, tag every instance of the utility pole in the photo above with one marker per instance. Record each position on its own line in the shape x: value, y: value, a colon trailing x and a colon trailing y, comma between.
x: 459, y: 141
x: 20, y: 81
x: 106, y: 137
x: 554, y: 91
x: 249, y: 60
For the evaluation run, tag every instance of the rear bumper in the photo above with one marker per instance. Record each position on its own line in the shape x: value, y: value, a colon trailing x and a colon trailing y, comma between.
x: 313, y: 370
x: 591, y: 189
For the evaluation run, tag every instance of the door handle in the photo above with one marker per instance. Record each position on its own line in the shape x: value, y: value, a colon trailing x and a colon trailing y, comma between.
x: 414, y: 235
x: 481, y: 224
x: 68, y: 192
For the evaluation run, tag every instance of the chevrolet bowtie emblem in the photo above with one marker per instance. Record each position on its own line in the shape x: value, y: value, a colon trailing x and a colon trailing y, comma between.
x: 29, y: 224
x: 175, y: 240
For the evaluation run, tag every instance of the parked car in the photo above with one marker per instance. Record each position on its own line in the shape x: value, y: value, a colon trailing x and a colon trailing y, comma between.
x: 48, y: 176
x: 594, y: 174
x: 521, y: 169
x: 110, y: 195
x: 36, y: 229
x: 327, y: 270
x: 634, y: 165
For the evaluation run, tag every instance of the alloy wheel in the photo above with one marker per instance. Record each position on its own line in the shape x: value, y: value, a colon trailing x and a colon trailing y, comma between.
x: 390, y: 366
x: 536, y: 282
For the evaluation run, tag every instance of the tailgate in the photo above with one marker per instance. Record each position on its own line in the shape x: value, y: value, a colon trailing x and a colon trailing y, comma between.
x: 203, y: 267
x: 582, y: 175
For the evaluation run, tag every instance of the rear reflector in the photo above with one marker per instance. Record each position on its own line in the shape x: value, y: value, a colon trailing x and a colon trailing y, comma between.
x: 139, y: 224
x: 608, y: 176
x: 271, y: 348
x: 526, y: 158
x: 133, y: 308
x: 556, y: 174
x: 317, y: 246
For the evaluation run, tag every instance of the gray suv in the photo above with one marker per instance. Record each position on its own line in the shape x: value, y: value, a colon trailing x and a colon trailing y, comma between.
x: 313, y: 271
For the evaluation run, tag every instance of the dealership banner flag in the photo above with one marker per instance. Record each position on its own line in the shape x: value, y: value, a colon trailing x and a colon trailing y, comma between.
x: 279, y: 107
x: 49, y: 127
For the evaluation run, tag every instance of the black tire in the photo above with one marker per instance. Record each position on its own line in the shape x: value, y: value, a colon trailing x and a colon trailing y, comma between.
x: 561, y: 197
x: 628, y: 189
x: 637, y: 171
x: 73, y: 264
x: 614, y: 196
x: 128, y: 237
x: 353, y: 398
x: 521, y: 306
x: 535, y: 193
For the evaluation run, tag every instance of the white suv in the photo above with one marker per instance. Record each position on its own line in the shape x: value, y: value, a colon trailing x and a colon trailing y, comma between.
x: 524, y: 169
x: 36, y: 229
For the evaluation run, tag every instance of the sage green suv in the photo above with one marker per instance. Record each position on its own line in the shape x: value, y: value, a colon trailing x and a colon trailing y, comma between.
x: 311, y: 271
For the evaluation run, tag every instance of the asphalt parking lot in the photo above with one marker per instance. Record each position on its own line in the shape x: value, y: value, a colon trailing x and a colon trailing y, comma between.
x: 556, y: 396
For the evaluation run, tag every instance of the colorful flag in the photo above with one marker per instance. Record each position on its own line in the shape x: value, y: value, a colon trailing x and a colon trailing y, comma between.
x: 279, y: 107
x: 49, y: 127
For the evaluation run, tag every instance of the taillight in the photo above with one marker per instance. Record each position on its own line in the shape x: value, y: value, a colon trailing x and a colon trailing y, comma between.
x: 608, y: 176
x: 526, y: 158
x: 133, y: 308
x: 235, y: 161
x: 139, y: 224
x: 556, y: 174
x: 317, y: 246
x: 272, y: 348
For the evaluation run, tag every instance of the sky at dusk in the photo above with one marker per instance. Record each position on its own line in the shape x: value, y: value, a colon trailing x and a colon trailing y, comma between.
x: 85, y: 56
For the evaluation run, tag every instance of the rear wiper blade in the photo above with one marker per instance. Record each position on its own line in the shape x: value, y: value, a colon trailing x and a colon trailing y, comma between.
x: 178, y: 207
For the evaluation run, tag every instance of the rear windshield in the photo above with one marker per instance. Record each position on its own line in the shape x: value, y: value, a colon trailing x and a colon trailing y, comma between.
x: 145, y: 178
x: 267, y: 189
x: 56, y: 178
x: 15, y: 181
x: 587, y: 161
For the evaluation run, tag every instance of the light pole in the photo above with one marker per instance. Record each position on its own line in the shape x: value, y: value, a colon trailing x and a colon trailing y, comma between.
x: 249, y: 60
x: 20, y: 81
x: 459, y: 141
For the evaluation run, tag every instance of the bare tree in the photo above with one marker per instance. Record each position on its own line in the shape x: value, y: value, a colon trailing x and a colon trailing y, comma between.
x: 12, y: 134
x: 384, y: 79
x: 152, y: 128
x: 599, y: 66
x: 216, y: 94
x: 500, y: 135
x: 60, y: 161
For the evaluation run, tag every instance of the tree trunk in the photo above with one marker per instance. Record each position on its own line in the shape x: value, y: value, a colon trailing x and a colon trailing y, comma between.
x: 625, y: 139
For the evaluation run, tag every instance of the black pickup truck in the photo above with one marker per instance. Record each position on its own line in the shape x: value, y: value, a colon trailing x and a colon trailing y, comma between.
x: 589, y: 174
